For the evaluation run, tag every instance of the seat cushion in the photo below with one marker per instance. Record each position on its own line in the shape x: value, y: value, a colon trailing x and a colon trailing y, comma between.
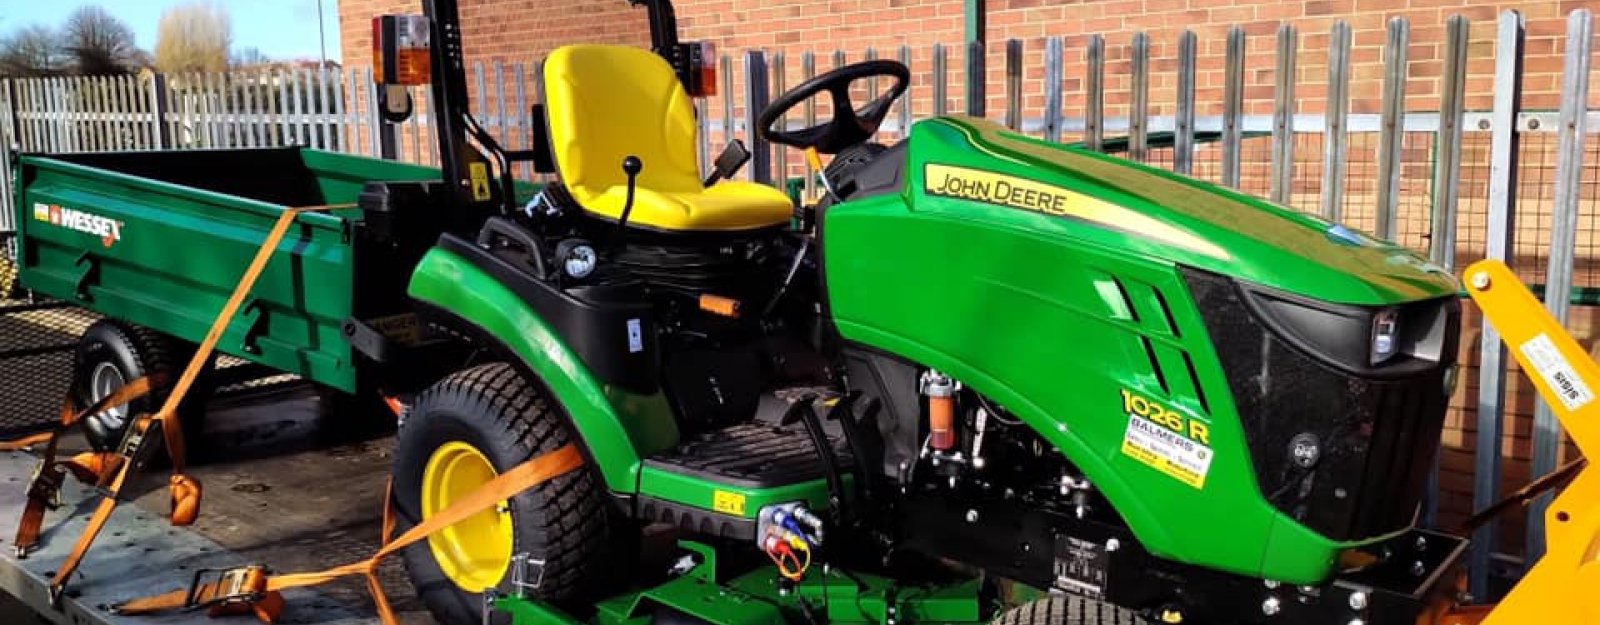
x: 607, y: 102
x: 728, y: 205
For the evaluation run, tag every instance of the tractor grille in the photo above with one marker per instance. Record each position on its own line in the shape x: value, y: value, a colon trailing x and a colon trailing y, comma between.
x: 1344, y: 454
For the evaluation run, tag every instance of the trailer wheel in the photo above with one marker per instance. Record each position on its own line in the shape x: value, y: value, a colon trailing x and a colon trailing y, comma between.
x: 112, y: 353
x: 461, y: 432
x: 1068, y: 610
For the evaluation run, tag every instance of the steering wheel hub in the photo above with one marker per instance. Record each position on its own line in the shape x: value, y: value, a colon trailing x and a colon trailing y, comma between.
x: 849, y: 125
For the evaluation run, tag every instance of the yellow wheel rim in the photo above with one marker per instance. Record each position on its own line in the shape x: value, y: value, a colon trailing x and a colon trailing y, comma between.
x: 475, y: 552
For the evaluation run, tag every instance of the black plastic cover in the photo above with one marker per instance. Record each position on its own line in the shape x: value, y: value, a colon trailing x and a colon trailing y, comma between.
x: 611, y: 327
x: 1343, y: 450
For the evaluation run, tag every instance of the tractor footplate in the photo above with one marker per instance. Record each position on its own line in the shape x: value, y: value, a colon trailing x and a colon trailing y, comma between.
x: 749, y: 455
x: 719, y: 481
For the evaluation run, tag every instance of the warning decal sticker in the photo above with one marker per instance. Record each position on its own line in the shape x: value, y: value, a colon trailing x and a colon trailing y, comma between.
x: 1166, y: 441
x: 1557, y: 372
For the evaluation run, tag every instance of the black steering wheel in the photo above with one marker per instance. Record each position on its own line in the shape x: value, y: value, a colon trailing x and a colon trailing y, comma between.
x: 849, y: 125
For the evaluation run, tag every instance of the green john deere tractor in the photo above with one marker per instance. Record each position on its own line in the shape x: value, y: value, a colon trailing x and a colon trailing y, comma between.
x: 983, y: 372
x: 984, y: 378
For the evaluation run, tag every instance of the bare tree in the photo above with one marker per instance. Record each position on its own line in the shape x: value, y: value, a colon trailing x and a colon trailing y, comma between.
x: 193, y: 37
x: 99, y: 43
x: 249, y: 57
x: 32, y: 51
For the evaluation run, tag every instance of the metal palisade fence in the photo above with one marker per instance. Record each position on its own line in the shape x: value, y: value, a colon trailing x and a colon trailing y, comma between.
x: 1457, y: 184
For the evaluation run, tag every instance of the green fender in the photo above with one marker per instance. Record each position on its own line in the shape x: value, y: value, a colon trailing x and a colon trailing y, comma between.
x: 617, y: 428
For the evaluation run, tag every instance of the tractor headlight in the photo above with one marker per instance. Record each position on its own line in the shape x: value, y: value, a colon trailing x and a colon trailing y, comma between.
x: 1385, y: 335
x: 1360, y: 339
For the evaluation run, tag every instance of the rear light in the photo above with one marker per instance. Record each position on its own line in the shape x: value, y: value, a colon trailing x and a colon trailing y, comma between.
x: 400, y: 49
x: 703, y: 68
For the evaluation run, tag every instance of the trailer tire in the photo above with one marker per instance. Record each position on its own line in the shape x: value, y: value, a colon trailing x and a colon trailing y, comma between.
x: 111, y: 353
x: 493, y: 413
x: 1068, y: 610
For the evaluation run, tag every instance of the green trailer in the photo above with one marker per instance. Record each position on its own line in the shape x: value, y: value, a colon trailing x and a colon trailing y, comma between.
x: 155, y: 241
x: 979, y: 368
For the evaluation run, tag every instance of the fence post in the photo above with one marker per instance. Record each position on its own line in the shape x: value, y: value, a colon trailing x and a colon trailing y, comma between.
x: 1563, y: 239
x: 15, y: 125
x: 1498, y: 241
x: 1139, y: 100
x: 7, y: 134
x: 780, y: 155
x: 755, y: 101
x: 871, y: 54
x: 905, y: 101
x: 1232, y: 107
x: 1052, y: 89
x: 1283, y: 106
x: 1014, y: 84
x: 1391, y: 132
x: 160, y: 103
x: 1333, y: 132
x: 726, y: 73
x: 1446, y: 194
x: 1183, y: 139
x: 1094, y: 94
x: 808, y: 70
x: 977, y: 104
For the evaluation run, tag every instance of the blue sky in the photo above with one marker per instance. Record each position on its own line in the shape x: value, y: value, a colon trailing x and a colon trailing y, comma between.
x: 281, y: 29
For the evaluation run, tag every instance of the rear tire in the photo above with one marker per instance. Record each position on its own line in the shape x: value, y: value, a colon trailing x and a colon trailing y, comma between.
x: 112, y: 353
x: 490, y: 412
x: 1068, y: 610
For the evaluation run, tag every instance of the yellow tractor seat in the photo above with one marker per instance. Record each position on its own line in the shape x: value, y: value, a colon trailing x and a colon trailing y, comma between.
x: 604, y: 103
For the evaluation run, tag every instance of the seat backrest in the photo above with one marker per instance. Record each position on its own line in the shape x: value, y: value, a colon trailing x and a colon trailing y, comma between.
x: 605, y: 102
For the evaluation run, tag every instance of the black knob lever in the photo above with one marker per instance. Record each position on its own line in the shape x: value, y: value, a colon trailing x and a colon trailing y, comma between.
x: 631, y: 165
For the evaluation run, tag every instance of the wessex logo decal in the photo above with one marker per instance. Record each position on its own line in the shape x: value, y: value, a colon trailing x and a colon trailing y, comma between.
x: 109, y: 230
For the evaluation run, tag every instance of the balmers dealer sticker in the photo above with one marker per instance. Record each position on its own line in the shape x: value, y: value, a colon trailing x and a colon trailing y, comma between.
x: 1031, y: 195
x: 1166, y: 440
x: 109, y: 230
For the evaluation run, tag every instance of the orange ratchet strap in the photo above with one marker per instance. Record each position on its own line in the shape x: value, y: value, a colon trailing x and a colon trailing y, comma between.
x: 250, y: 590
x: 45, y: 487
x: 109, y: 471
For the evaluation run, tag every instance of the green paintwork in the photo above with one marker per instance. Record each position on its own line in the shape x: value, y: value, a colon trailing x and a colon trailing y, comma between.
x: 1026, y: 308
x: 617, y: 429
x: 183, y: 249
x: 698, y: 492
x: 753, y: 598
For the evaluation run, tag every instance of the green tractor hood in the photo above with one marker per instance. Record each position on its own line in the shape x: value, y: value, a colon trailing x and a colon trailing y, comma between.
x: 1074, y: 288
x: 1131, y: 206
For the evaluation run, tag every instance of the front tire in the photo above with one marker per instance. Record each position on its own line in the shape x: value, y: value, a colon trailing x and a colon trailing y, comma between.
x: 112, y: 353
x: 461, y: 432
x: 1068, y: 610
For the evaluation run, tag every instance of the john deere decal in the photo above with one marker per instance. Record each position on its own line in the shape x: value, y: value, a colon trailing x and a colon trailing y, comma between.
x: 1031, y: 195
x: 109, y: 230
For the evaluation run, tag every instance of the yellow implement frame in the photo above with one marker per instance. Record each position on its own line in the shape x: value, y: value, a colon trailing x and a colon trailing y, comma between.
x: 1562, y: 586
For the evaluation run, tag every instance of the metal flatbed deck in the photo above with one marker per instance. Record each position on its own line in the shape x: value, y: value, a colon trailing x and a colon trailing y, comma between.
x: 274, y: 494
